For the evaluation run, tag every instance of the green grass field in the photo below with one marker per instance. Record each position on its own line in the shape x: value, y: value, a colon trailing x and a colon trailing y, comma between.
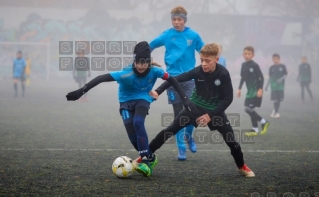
x: 51, y: 147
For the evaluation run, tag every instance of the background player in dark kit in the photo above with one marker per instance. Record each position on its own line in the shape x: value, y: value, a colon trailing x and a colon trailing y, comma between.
x: 251, y: 74
x: 304, y: 77
x: 81, y: 70
x: 212, y: 95
x: 277, y: 75
x: 135, y: 81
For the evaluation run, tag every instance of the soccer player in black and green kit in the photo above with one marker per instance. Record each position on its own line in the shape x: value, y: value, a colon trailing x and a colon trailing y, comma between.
x: 277, y: 75
x: 304, y: 77
x: 252, y: 75
x: 212, y: 95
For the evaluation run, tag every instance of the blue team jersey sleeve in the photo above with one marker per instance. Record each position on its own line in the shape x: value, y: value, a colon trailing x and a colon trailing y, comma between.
x: 198, y: 43
x: 158, y: 41
x: 120, y: 76
x: 160, y: 73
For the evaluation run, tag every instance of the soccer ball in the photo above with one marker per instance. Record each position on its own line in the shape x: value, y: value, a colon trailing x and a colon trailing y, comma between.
x: 123, y: 167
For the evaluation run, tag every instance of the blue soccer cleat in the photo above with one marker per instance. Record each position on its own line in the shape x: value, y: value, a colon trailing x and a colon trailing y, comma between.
x: 181, y: 154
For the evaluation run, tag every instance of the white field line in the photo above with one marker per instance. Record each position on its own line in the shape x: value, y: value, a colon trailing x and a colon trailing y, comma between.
x: 133, y: 150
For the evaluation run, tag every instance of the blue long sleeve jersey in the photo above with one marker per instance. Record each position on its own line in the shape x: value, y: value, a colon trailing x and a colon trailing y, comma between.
x: 19, y: 67
x: 180, y: 49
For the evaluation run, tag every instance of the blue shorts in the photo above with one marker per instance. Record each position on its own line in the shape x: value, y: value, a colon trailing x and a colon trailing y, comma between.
x: 127, y: 109
x: 173, y: 96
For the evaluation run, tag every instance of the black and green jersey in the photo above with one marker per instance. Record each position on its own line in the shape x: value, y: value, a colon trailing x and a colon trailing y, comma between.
x: 252, y: 76
x: 304, y: 72
x: 213, y: 91
x: 276, y: 74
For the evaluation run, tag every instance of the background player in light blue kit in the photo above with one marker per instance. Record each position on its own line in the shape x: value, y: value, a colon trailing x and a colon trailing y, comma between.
x: 135, y: 82
x: 180, y: 44
x: 221, y: 60
x: 19, y: 65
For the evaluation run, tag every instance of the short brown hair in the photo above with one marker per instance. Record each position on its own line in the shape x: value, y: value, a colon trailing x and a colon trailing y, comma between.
x: 249, y: 48
x: 179, y: 10
x: 210, y: 50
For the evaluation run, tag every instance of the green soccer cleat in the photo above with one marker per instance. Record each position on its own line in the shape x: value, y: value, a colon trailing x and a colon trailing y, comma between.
x: 152, y: 162
x: 251, y: 133
x: 144, y: 169
x: 264, y: 128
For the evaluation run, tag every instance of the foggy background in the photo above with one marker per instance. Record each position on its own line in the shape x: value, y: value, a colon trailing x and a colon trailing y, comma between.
x: 287, y: 27
x: 49, y: 145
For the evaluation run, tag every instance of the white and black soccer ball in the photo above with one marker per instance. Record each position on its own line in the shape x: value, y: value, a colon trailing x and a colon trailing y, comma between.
x: 123, y: 167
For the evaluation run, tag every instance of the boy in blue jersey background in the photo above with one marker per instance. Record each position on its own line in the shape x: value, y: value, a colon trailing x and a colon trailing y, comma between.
x: 19, y: 65
x: 135, y: 82
x: 180, y: 44
x: 221, y: 60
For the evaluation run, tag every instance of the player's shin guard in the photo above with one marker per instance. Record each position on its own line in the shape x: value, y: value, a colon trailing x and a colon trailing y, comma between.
x: 159, y: 140
x: 180, y: 139
x: 142, y: 139
x: 131, y: 134
x: 189, y: 138
x: 237, y: 154
x: 276, y: 106
x: 15, y: 89
x: 23, y: 88
x: 234, y: 146
x: 133, y: 139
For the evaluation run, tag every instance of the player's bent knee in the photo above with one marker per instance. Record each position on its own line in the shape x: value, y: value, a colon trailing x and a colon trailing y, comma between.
x: 249, y: 110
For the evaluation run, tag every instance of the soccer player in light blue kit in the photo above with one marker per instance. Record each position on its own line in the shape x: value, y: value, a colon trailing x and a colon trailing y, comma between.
x: 180, y: 43
x: 135, y: 82
x: 221, y: 60
x: 19, y: 65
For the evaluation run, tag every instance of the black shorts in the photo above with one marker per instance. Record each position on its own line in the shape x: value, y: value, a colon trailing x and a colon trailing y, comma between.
x: 253, y: 102
x: 277, y: 95
x: 219, y: 121
x: 127, y: 109
x: 22, y: 78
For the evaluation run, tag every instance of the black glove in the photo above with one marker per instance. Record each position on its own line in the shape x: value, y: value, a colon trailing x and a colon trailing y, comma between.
x: 75, y: 95
x: 188, y: 104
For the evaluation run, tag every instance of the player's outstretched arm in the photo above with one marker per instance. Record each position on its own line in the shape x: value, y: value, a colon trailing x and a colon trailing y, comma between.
x: 180, y: 78
x: 266, y: 88
x: 158, y: 41
x: 240, y: 86
x: 75, y: 95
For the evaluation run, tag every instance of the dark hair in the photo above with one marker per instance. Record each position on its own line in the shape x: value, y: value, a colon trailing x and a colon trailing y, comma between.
x: 250, y: 48
x: 19, y: 52
x: 276, y: 55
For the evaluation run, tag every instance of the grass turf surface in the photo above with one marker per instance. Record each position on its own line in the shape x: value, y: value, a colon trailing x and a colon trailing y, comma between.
x: 51, y: 147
